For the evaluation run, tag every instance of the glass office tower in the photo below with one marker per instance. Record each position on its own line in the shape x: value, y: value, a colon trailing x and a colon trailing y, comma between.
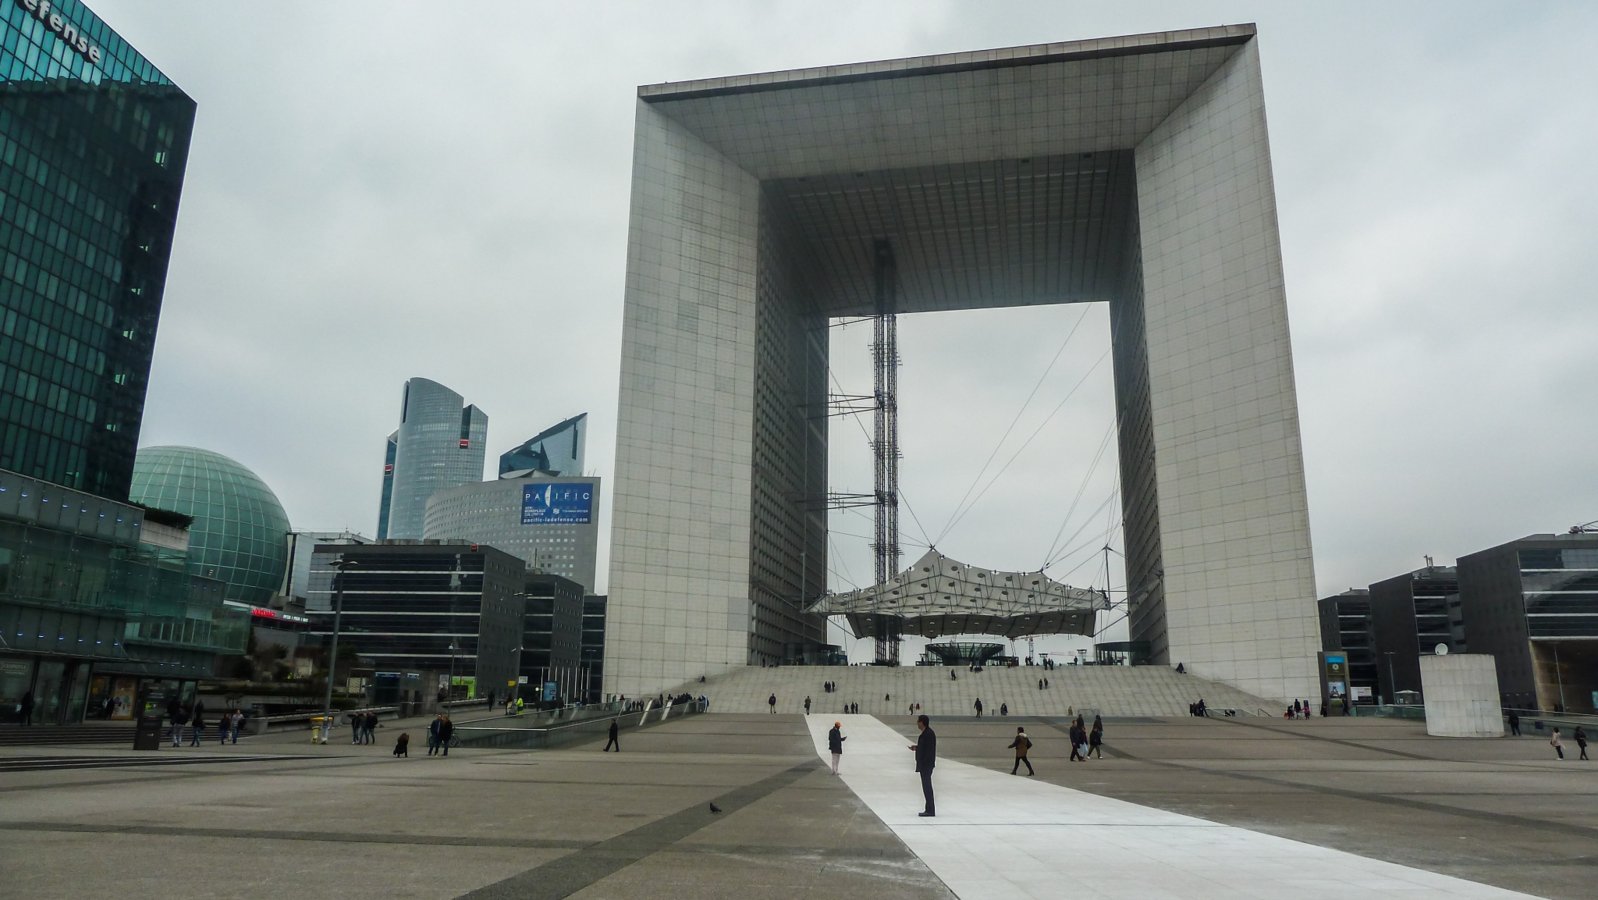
x: 439, y: 445
x: 93, y: 143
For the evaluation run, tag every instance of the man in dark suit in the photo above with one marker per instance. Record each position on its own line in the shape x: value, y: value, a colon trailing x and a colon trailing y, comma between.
x: 926, y: 750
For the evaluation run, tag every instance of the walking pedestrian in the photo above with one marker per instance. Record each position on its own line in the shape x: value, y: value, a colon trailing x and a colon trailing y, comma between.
x: 197, y: 721
x: 835, y: 741
x: 1022, y: 744
x: 432, y: 733
x: 613, y: 742
x: 446, y: 730
x: 236, y: 721
x: 807, y: 704
x: 402, y: 745
x: 772, y: 702
x: 978, y: 706
x: 1096, y: 737
x: 1581, y: 741
x: 1004, y: 709
x: 1514, y: 724
x: 175, y: 712
x: 1557, y: 744
x: 926, y: 751
x: 1079, y: 742
x: 25, y: 708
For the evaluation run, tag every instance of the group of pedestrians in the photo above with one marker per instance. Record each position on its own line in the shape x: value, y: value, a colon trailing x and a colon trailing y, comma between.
x: 440, y: 732
x: 363, y: 727
x: 1301, y: 710
x: 192, y: 717
x: 1004, y: 708
x: 1555, y: 741
x: 1086, y: 742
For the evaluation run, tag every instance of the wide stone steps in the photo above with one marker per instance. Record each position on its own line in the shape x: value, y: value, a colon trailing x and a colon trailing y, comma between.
x: 881, y: 690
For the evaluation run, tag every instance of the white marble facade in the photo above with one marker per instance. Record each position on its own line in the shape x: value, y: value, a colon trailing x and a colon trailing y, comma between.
x: 1133, y: 170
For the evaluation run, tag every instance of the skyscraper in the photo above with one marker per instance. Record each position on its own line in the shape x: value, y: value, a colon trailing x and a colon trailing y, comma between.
x: 557, y: 450
x: 439, y: 444
x: 93, y: 144
x: 98, y: 609
x: 388, y: 485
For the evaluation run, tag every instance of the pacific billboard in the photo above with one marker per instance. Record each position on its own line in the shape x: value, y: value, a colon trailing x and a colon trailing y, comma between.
x: 558, y: 504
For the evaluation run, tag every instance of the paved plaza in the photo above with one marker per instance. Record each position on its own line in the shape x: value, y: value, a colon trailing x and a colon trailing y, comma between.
x: 1264, y: 806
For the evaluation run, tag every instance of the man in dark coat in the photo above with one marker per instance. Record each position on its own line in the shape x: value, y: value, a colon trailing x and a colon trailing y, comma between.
x: 1514, y: 724
x: 434, y: 728
x: 613, y: 742
x: 175, y: 713
x: 835, y: 741
x: 25, y: 708
x: 197, y: 722
x: 446, y: 730
x: 926, y: 751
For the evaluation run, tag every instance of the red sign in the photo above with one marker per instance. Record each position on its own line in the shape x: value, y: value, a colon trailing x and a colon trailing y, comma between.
x: 263, y: 613
x: 388, y: 469
x: 465, y: 443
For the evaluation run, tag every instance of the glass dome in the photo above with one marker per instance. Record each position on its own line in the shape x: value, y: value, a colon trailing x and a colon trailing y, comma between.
x: 240, y: 529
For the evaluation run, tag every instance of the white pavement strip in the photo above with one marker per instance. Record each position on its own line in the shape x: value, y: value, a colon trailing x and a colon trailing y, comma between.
x: 1009, y: 837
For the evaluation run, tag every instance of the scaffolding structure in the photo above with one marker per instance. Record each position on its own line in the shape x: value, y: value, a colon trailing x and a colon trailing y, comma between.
x: 885, y: 439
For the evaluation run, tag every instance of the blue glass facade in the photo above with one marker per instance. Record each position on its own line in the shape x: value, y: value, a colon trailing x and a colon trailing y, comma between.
x: 389, y: 453
x: 557, y: 450
x: 93, y: 144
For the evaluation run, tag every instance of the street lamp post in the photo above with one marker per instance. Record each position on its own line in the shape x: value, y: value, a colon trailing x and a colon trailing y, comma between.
x: 341, y: 564
x: 1392, y: 687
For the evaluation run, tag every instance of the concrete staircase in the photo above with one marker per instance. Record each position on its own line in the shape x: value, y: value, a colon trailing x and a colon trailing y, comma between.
x: 86, y: 733
x: 881, y: 690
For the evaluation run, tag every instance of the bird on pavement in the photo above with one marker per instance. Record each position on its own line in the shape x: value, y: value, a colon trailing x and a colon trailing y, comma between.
x: 714, y: 808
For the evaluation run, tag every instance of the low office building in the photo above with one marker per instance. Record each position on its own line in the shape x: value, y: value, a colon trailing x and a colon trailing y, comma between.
x: 1412, y: 614
x: 302, y: 548
x: 1533, y: 604
x: 552, y: 639
x: 98, y: 610
x: 445, y: 613
x: 1346, y: 625
x: 549, y: 523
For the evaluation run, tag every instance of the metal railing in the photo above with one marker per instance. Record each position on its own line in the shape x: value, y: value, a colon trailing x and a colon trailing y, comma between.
x: 586, y: 723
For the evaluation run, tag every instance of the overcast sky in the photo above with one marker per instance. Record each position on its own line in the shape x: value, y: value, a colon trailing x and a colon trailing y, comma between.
x: 382, y: 190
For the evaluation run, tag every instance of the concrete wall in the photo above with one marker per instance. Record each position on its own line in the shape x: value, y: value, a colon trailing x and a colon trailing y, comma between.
x: 1238, y: 575
x: 1461, y: 693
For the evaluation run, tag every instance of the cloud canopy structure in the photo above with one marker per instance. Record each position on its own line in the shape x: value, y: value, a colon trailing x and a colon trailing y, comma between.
x: 940, y: 595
